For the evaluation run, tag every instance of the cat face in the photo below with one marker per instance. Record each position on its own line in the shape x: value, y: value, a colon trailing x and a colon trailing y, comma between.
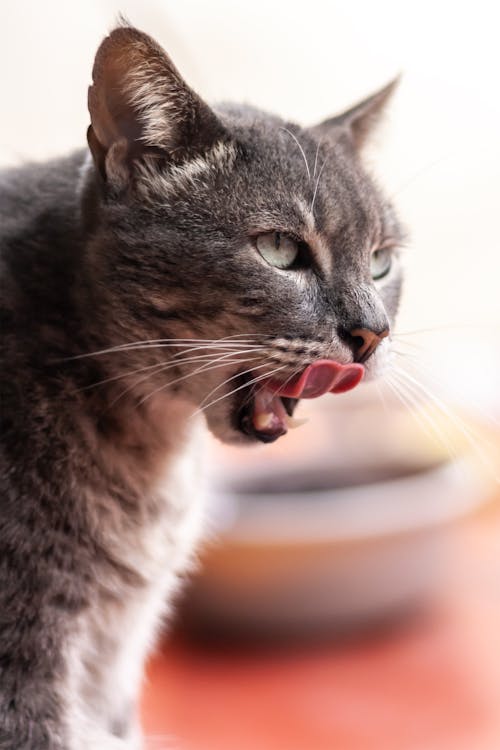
x: 264, y: 245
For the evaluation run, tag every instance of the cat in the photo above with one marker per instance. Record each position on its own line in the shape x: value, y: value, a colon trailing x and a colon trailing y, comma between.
x: 194, y: 265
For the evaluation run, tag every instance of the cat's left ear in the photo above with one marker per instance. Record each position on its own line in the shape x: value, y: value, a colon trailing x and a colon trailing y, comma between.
x: 359, y: 121
x: 140, y: 105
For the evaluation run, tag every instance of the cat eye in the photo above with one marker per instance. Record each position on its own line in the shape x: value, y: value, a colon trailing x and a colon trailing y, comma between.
x: 381, y: 262
x: 278, y: 249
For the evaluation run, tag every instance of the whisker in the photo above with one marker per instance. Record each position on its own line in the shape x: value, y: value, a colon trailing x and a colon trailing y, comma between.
x: 300, y: 147
x: 236, y: 348
x: 407, y: 356
x: 311, y: 208
x: 471, y: 436
x: 382, y: 398
x: 409, y: 407
x: 425, y: 422
x: 228, y: 380
x: 405, y: 342
x: 283, y: 385
x: 427, y: 372
x: 316, y: 158
x: 447, y: 326
x: 222, y: 361
x: 167, y: 366
x: 167, y: 342
x: 446, y: 410
x: 157, y: 365
x: 162, y: 366
x: 427, y: 418
x: 245, y: 385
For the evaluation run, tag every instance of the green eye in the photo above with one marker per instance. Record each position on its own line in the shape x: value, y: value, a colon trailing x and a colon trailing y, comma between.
x: 277, y: 249
x: 380, y: 262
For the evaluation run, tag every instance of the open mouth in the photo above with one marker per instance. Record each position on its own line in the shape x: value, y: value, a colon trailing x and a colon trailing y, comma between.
x: 268, y: 413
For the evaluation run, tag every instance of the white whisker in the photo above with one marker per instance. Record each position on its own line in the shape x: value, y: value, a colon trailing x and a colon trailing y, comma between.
x: 222, y: 361
x: 448, y: 326
x: 427, y: 372
x: 162, y: 366
x: 416, y: 407
x: 283, y: 385
x: 316, y: 158
x: 245, y: 385
x: 439, y: 403
x: 382, y: 398
x: 236, y: 348
x: 471, y: 436
x: 301, y: 149
x: 317, y: 185
x: 228, y: 380
x: 167, y: 366
x: 410, y: 344
x: 147, y: 343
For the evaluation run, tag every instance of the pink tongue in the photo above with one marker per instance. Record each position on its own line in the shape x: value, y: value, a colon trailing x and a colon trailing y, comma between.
x: 269, y: 416
x: 324, y: 376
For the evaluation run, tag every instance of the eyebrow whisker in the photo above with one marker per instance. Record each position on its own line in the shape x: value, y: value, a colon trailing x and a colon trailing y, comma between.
x: 317, y: 185
x: 316, y: 158
x: 300, y: 147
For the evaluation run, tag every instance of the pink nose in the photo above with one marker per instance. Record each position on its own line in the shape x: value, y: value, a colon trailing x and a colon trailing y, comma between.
x: 324, y: 376
x: 366, y: 342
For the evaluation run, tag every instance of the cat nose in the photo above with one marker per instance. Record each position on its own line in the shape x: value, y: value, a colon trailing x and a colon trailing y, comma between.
x: 364, y: 342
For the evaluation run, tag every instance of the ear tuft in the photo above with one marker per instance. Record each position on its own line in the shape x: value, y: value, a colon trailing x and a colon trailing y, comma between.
x: 139, y: 97
x: 359, y: 121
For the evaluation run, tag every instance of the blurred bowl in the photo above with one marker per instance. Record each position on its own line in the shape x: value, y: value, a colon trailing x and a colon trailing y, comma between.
x: 329, y: 559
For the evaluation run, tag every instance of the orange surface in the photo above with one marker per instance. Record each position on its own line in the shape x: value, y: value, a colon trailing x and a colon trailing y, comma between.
x: 432, y: 683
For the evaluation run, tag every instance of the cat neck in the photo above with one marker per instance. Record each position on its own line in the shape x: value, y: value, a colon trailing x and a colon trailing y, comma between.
x: 138, y: 441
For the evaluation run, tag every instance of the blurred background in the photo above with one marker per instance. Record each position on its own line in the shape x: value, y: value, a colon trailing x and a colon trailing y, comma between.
x: 348, y: 595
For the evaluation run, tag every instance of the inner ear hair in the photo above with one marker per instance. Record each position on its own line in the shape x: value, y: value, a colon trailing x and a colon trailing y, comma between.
x: 139, y: 100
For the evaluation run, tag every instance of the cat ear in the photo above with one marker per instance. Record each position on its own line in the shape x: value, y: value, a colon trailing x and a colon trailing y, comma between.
x: 139, y: 104
x: 360, y: 120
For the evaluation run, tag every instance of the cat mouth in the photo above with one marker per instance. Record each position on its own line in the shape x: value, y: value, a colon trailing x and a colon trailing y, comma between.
x: 268, y: 413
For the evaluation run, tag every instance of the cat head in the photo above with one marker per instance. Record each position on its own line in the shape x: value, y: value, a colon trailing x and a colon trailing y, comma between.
x: 257, y: 247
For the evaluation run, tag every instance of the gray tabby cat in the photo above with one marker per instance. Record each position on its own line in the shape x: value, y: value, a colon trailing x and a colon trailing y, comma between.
x: 198, y: 265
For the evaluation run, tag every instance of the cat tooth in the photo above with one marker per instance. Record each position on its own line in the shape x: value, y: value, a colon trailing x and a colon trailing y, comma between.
x: 292, y: 422
x: 263, y: 421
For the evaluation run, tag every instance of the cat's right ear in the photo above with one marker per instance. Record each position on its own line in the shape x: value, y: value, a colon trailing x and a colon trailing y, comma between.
x: 139, y: 104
